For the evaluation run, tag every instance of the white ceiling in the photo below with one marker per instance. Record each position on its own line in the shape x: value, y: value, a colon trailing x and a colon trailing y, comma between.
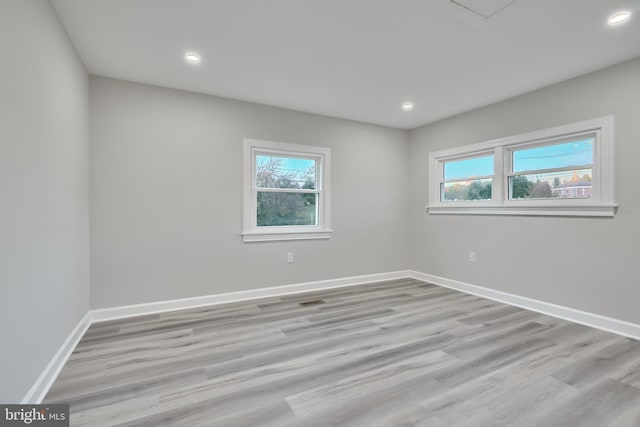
x: 355, y: 59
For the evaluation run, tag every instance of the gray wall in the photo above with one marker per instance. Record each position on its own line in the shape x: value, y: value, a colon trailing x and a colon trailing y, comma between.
x: 44, y: 230
x: 588, y: 264
x: 166, y: 196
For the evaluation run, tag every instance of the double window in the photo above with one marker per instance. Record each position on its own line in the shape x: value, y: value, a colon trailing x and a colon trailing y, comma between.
x: 565, y: 171
x: 286, y: 191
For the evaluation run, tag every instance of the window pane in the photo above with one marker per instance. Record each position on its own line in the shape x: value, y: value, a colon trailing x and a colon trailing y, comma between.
x: 285, y: 172
x: 468, y: 168
x: 562, y: 185
x: 479, y: 189
x: 279, y: 209
x: 575, y: 153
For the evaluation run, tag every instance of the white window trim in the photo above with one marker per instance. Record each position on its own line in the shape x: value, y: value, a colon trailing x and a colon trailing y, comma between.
x: 601, y: 203
x: 253, y: 233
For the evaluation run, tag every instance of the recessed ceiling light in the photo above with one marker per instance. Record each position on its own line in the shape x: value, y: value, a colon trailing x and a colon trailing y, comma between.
x: 619, y: 18
x: 192, y: 58
x: 407, y: 106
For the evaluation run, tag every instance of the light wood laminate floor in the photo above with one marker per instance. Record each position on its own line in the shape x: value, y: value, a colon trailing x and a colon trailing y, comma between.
x: 402, y: 353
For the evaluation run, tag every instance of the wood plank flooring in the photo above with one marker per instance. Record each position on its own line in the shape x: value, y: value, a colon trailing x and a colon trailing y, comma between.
x: 402, y: 353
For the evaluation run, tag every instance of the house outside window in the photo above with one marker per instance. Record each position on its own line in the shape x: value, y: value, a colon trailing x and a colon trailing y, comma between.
x: 562, y: 171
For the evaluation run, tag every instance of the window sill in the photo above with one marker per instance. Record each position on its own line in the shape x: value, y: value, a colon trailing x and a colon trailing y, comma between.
x: 249, y: 237
x: 601, y: 210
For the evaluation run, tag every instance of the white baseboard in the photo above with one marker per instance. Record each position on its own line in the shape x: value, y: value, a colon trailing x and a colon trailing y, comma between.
x: 620, y: 327
x: 44, y: 382
x: 41, y: 387
x: 104, y: 314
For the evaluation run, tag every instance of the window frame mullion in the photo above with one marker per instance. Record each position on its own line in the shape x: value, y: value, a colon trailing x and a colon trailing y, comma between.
x: 599, y: 203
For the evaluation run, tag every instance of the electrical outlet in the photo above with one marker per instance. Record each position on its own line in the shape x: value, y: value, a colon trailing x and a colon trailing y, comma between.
x: 290, y: 257
x: 472, y: 256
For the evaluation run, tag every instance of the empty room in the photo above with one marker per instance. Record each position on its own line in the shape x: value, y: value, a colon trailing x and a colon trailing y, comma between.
x: 319, y: 213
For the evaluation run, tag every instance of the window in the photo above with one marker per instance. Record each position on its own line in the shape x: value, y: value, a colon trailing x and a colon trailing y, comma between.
x: 566, y: 171
x: 286, y: 191
x: 467, y: 179
x: 559, y: 170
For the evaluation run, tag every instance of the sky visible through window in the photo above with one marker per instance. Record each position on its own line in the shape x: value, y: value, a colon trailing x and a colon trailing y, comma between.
x: 289, y: 164
x: 296, y: 165
x: 467, y: 168
x: 298, y: 204
x: 575, y: 153
x: 295, y: 170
